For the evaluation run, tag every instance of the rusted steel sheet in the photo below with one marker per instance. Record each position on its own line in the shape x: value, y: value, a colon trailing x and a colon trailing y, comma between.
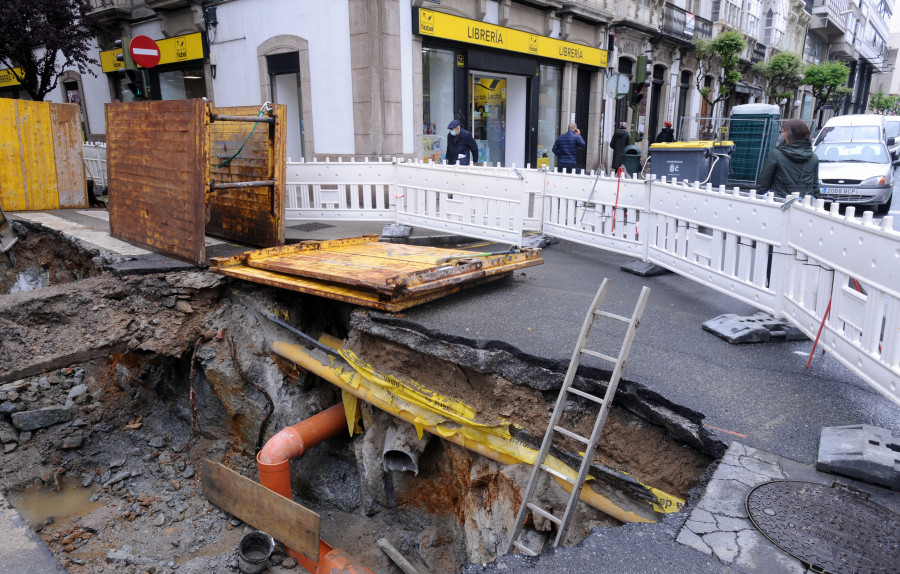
x: 363, y: 271
x: 65, y: 120
x: 252, y: 215
x: 157, y: 156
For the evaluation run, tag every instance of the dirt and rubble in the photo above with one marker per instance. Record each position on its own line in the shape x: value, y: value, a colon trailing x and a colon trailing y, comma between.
x: 120, y: 385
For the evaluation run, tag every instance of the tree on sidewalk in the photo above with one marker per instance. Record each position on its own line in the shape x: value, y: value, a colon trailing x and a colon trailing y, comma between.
x: 828, y: 82
x: 725, y: 51
x: 882, y: 103
x: 783, y: 73
x: 40, y: 38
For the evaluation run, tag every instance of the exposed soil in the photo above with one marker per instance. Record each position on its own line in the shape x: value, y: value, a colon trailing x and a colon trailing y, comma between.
x: 627, y: 443
x: 149, y: 375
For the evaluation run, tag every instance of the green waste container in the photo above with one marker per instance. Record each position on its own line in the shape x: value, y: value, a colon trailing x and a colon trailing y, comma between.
x: 754, y: 131
x: 631, y: 159
x: 692, y: 161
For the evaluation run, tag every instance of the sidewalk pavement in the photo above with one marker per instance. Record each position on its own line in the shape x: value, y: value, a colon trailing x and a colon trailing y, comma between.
x: 759, y: 395
x: 21, y: 551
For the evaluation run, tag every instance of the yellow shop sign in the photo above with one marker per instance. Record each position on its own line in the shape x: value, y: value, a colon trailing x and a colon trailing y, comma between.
x: 8, y: 79
x: 171, y: 51
x: 441, y: 25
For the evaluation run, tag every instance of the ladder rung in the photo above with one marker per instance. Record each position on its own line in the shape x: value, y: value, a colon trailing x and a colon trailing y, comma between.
x: 558, y: 474
x: 599, y: 355
x: 524, y: 549
x: 588, y: 396
x: 538, y: 510
x: 570, y: 434
x: 614, y: 316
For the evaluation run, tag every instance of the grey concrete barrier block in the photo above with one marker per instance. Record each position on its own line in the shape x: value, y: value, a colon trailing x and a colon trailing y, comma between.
x: 864, y: 452
x: 735, y: 330
x: 396, y: 231
x: 643, y: 268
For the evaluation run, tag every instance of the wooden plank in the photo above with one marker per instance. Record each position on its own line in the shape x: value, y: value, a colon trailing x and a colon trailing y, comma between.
x: 288, y: 522
x: 65, y: 123
x: 12, y: 178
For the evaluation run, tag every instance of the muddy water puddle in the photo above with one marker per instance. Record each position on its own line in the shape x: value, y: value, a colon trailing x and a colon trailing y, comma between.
x: 38, y: 503
x: 33, y: 278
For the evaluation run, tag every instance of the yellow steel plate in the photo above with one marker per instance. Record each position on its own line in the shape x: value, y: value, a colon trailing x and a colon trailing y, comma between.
x: 363, y: 271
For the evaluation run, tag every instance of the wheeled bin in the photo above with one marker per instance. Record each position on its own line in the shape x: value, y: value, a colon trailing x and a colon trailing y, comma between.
x: 692, y: 161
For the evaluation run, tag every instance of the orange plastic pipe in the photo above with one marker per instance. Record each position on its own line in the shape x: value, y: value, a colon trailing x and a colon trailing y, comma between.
x: 273, y: 463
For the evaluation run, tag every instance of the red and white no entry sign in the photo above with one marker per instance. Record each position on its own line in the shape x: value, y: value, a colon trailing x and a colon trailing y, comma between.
x: 144, y: 51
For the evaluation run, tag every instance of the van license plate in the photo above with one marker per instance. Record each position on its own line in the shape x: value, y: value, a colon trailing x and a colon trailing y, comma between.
x: 837, y: 190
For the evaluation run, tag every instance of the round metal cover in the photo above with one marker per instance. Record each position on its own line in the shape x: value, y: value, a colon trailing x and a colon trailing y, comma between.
x: 830, y: 528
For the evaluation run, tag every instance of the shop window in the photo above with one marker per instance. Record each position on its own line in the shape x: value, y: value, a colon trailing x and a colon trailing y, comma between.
x: 548, y: 114
x: 438, y: 67
x: 184, y: 84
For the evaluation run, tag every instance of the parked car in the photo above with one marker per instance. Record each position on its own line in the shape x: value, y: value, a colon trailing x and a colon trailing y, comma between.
x: 853, y: 128
x: 892, y: 128
x: 856, y: 173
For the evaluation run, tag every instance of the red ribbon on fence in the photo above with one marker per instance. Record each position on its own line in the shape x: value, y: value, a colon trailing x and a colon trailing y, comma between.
x: 619, y: 171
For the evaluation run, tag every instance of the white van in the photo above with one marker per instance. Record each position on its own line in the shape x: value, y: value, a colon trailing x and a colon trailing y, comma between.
x: 854, y: 128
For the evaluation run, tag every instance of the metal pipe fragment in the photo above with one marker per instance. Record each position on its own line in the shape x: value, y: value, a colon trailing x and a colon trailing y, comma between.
x: 260, y: 119
x: 241, y: 184
x: 402, y: 447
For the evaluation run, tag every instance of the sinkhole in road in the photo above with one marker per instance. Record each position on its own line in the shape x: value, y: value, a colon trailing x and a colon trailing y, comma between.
x: 148, y: 375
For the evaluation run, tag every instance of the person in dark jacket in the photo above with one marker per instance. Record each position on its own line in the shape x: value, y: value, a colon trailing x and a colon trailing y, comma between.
x: 459, y: 144
x: 565, y: 148
x: 667, y: 134
x: 620, y: 140
x: 791, y: 167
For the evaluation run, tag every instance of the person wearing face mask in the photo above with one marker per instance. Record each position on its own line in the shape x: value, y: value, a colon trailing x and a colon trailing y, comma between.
x: 459, y: 144
x: 791, y: 167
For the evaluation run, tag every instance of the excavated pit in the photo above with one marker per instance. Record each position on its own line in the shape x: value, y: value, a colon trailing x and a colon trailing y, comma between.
x: 146, y: 376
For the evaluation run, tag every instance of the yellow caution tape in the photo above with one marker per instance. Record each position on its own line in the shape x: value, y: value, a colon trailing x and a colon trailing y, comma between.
x: 446, y: 417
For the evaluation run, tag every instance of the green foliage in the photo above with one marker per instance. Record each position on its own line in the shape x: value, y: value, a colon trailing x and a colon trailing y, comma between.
x: 63, y: 28
x: 882, y: 103
x: 724, y: 51
x: 826, y: 81
x: 783, y: 73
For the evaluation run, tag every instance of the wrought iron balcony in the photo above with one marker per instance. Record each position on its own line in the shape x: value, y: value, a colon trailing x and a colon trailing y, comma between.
x: 758, y: 54
x: 682, y: 24
x: 107, y: 10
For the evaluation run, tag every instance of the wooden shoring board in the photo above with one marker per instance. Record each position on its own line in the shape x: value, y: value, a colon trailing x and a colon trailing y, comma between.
x: 291, y: 524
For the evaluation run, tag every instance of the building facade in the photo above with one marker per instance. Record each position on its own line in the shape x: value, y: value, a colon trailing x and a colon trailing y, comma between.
x: 383, y: 78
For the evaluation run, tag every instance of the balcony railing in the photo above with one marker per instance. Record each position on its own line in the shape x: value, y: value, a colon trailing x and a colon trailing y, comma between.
x: 683, y: 24
x: 758, y: 54
x: 102, y: 5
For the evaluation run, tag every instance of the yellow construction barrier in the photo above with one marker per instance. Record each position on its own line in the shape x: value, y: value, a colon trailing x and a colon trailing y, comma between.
x: 448, y: 418
x: 42, y: 156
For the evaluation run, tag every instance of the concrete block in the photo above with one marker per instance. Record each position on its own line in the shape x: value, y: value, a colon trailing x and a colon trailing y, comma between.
x: 31, y: 420
x: 396, y: 231
x: 865, y: 452
x: 643, y: 268
x: 757, y: 328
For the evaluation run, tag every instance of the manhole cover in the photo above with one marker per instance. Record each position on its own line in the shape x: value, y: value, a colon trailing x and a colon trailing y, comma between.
x: 830, y: 528
x: 314, y: 226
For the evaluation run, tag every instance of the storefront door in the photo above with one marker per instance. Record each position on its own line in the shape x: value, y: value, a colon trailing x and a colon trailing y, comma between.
x: 497, y: 112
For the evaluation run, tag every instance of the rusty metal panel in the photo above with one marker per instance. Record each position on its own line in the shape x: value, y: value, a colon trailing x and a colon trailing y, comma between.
x: 65, y: 120
x: 157, y: 156
x: 363, y: 271
x: 252, y: 215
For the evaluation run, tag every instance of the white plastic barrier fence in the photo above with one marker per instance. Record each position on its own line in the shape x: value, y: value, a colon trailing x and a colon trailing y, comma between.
x: 95, y: 164
x: 811, y: 266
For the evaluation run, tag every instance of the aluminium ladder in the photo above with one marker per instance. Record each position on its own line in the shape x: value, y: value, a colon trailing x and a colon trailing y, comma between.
x: 558, y: 411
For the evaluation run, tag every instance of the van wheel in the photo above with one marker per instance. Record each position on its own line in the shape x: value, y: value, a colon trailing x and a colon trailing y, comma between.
x: 886, y: 206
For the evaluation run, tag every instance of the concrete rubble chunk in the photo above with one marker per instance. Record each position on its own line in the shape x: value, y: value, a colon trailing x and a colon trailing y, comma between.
x: 41, y: 418
x: 8, y: 433
x: 865, y: 452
